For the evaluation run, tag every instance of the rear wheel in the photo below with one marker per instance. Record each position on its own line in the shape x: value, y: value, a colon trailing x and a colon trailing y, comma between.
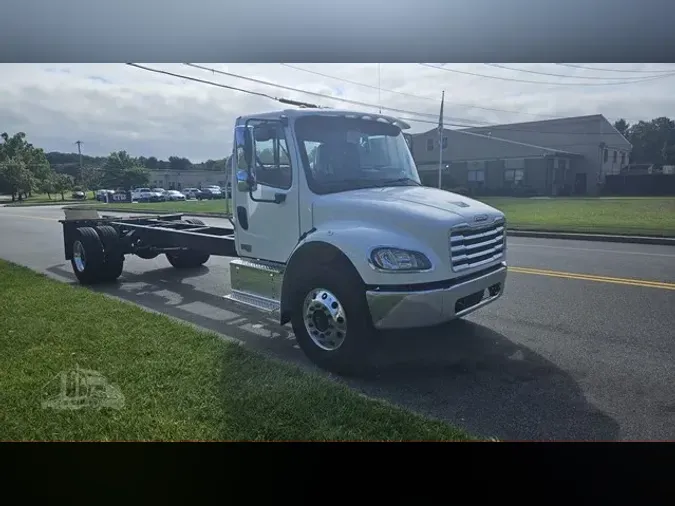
x: 331, y: 321
x: 114, y: 258
x: 188, y: 259
x: 88, y: 257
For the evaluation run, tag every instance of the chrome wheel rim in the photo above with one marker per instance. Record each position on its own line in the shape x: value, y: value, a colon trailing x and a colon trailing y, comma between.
x: 325, y: 319
x: 79, y: 257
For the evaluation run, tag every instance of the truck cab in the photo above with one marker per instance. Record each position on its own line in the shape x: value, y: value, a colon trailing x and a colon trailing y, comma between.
x: 335, y: 232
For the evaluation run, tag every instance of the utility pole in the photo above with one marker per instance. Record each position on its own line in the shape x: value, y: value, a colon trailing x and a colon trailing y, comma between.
x: 379, y: 88
x: 440, y: 143
x: 79, y: 150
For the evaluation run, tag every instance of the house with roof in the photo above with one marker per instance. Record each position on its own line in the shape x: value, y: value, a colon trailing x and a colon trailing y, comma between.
x: 566, y: 156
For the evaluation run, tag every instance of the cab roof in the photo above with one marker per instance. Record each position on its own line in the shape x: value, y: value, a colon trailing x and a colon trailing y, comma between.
x: 297, y: 113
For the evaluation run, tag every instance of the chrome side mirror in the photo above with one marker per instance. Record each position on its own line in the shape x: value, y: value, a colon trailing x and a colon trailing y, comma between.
x: 246, y: 181
x: 243, y: 146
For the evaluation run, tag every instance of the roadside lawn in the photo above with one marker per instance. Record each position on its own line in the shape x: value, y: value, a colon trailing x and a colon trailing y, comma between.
x: 624, y: 216
x: 177, y: 383
x: 187, y: 206
x: 42, y: 199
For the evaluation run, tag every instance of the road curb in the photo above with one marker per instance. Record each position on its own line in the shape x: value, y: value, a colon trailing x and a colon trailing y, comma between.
x: 630, y: 239
x: 541, y: 234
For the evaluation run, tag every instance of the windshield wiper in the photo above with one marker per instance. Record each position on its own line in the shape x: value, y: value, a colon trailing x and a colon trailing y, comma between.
x: 368, y: 183
x: 399, y: 180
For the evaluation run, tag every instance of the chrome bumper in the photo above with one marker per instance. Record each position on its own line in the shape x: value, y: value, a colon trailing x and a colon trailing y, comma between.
x: 393, y: 310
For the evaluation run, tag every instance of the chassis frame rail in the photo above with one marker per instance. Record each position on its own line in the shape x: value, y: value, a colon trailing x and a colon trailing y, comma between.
x: 158, y: 233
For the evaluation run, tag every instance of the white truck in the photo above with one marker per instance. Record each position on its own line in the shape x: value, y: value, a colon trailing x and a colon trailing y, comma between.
x: 332, y: 231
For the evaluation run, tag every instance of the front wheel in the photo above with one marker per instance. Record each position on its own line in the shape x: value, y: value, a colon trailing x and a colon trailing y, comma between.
x: 331, y: 322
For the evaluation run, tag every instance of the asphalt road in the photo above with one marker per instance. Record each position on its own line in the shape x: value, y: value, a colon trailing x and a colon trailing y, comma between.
x: 576, y: 349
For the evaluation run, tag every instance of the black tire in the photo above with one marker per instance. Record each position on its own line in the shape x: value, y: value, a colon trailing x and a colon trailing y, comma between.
x: 88, y: 258
x: 146, y: 255
x: 354, y: 355
x: 114, y: 258
x: 188, y: 259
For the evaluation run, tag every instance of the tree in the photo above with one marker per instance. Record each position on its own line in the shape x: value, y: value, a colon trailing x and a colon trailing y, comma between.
x: 123, y: 171
x: 178, y: 163
x: 14, y: 176
x: 90, y: 178
x: 653, y: 141
x: 47, y: 186
x: 152, y: 163
x: 34, y: 160
x: 62, y: 183
x: 622, y: 126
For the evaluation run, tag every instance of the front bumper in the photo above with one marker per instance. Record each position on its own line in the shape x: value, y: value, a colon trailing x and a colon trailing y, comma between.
x: 421, y: 308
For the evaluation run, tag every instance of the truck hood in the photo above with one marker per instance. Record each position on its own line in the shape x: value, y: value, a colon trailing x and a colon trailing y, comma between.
x: 413, y: 203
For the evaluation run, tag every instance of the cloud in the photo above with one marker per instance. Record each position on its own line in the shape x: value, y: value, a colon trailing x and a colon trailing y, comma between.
x: 114, y: 106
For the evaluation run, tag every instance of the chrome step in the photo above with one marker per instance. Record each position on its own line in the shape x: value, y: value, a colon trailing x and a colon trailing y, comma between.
x: 255, y: 301
x: 256, y: 283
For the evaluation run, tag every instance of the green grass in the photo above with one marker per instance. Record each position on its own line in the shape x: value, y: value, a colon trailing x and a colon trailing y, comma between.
x: 188, y: 206
x: 42, y: 199
x: 625, y: 216
x: 178, y: 383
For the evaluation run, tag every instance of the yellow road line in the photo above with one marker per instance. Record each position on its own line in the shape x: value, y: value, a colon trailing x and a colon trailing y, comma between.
x: 591, y: 277
x: 2, y: 213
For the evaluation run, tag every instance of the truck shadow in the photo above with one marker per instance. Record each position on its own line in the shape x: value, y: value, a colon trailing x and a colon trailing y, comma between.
x: 173, y: 293
x: 461, y: 372
x: 481, y: 380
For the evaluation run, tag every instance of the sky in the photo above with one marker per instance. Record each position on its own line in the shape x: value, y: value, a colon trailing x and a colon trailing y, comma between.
x: 113, y: 106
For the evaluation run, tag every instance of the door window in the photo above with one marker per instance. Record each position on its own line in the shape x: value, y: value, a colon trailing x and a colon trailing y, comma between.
x: 272, y: 160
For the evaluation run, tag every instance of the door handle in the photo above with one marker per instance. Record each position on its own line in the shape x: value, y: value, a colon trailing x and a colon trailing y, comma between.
x: 279, y: 198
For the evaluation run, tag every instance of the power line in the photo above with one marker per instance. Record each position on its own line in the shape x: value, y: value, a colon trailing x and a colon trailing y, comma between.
x: 541, y: 82
x: 625, y: 79
x: 473, y: 134
x: 411, y: 95
x: 464, y: 132
x: 614, y: 70
x: 219, y: 85
x: 363, y: 104
x: 264, y: 95
x: 313, y: 93
x: 493, y: 109
x: 507, y: 128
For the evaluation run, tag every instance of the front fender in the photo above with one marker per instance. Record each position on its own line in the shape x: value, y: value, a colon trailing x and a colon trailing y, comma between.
x: 348, y: 244
x: 356, y: 239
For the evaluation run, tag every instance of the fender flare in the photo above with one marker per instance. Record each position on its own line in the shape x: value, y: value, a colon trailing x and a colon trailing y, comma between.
x: 315, y: 254
x: 342, y: 242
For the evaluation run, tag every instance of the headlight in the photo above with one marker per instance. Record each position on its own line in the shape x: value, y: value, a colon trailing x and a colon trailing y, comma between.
x: 394, y: 259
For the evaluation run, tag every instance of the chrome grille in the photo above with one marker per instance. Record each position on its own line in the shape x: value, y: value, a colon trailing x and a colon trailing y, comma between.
x: 476, y: 246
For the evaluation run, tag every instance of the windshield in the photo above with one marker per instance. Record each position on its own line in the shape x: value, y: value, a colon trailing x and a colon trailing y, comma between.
x: 341, y: 154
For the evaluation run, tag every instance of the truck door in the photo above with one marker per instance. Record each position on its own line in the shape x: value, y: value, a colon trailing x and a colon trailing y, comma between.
x: 266, y: 229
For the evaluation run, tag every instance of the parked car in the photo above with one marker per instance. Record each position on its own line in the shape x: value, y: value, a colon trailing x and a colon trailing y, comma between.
x: 146, y: 195
x: 101, y: 195
x: 119, y: 196
x: 217, y: 191
x: 78, y: 195
x: 190, y: 193
x: 174, y: 195
x: 210, y: 193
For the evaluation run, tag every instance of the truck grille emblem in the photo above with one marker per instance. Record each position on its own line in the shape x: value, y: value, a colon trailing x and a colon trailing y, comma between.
x: 480, y: 217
